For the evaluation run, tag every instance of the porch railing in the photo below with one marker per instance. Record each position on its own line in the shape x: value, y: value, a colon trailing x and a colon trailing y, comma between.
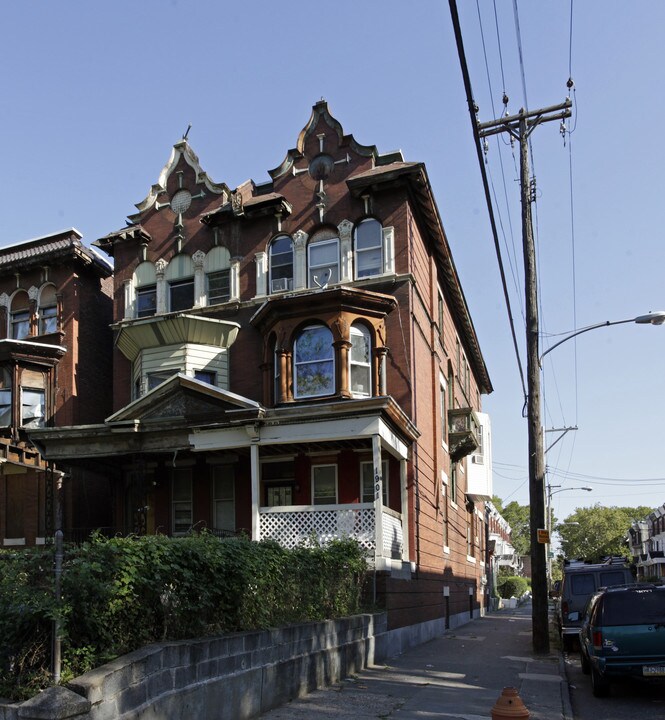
x: 295, y: 525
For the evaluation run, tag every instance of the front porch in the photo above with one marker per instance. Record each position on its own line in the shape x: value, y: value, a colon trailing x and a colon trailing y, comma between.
x: 295, y: 525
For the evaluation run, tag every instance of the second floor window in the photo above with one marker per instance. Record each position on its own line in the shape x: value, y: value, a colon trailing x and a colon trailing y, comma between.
x: 32, y: 407
x: 48, y: 311
x: 360, y: 361
x: 19, y: 318
x: 218, y: 286
x: 314, y: 366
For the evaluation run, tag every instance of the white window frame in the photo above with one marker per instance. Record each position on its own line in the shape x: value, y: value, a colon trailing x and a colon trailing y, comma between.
x: 298, y: 364
x: 279, y: 285
x: 375, y: 269
x: 360, y: 330
x: 333, y: 276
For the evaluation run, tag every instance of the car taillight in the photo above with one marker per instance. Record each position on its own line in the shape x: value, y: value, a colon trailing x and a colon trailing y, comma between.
x: 564, y: 608
x: 597, y: 639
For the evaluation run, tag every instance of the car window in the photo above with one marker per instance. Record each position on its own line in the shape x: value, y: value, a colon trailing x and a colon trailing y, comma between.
x: 638, y: 607
x: 612, y: 577
x: 582, y: 584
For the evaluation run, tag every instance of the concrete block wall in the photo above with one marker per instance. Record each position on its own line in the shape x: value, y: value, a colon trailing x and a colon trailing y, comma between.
x: 235, y: 676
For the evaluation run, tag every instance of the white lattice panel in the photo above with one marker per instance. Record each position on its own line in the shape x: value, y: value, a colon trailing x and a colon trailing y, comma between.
x: 392, y: 537
x: 297, y: 527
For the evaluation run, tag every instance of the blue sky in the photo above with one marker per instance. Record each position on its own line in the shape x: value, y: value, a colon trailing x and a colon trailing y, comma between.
x: 95, y: 94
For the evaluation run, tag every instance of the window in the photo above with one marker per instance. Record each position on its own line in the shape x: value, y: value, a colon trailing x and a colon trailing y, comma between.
x: 218, y: 286
x: 367, y: 481
x: 180, y: 278
x: 360, y: 366
x: 206, y: 376
x: 453, y: 483
x: 281, y: 264
x: 20, y: 316
x: 444, y: 497
x: 323, y: 255
x: 181, y: 294
x: 324, y: 485
x: 471, y: 533
x: 146, y: 301
x: 48, y: 311
x: 444, y: 414
x: 157, y: 378
x: 32, y: 407
x: 223, y: 501
x: 181, y: 504
x: 368, y: 242
x: 314, y: 366
x: 5, y: 397
x: 277, y: 375
x: 144, y: 280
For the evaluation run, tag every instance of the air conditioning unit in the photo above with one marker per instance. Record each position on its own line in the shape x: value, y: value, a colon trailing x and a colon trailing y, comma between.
x: 477, y: 459
x: 280, y: 284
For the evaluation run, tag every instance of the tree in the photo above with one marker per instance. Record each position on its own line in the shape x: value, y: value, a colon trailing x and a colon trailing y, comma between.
x: 517, y: 516
x: 597, y: 532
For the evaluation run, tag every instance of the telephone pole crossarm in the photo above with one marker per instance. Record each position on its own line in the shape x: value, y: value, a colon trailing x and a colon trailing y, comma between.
x: 511, y: 123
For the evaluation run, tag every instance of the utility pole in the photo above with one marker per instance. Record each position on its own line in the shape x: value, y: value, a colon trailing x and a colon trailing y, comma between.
x: 520, y: 127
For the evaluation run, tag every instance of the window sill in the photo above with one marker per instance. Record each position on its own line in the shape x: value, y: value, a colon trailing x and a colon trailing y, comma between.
x: 471, y: 559
x: 446, y: 550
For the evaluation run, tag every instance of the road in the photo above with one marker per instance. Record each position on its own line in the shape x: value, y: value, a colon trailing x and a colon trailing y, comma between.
x: 628, y: 700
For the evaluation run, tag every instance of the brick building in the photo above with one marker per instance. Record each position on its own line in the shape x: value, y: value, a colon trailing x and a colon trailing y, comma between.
x: 297, y: 359
x: 55, y: 369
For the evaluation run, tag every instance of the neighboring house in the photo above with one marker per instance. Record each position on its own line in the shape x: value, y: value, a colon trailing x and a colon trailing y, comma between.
x: 55, y: 369
x: 647, y: 543
x: 296, y: 360
x: 500, y: 551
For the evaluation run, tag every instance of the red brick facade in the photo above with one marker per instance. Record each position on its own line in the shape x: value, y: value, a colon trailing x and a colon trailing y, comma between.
x: 324, y: 314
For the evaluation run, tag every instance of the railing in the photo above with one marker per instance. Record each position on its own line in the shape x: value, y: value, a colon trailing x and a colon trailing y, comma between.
x: 295, y: 525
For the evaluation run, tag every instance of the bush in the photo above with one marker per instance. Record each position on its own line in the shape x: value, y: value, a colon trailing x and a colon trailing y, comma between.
x: 512, y: 586
x: 121, y: 593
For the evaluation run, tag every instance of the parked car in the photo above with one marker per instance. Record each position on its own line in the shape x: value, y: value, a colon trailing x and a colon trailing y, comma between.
x: 623, y: 635
x: 580, y: 581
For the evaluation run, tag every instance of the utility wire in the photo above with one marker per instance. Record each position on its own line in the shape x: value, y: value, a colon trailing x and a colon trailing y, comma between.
x: 488, y: 200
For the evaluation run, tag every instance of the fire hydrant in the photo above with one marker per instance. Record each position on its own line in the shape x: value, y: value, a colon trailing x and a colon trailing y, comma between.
x: 509, y: 706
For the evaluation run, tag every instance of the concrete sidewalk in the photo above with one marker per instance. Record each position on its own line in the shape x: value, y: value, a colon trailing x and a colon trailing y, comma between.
x: 458, y: 676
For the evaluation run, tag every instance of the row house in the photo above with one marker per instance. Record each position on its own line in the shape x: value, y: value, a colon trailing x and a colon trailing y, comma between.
x: 500, y: 550
x: 55, y: 369
x: 646, y: 539
x: 296, y: 360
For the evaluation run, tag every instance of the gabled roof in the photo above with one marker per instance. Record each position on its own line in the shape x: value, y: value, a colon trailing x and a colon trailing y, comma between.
x: 191, y: 400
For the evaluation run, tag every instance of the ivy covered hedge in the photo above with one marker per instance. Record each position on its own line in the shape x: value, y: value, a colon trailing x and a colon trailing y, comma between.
x: 512, y: 586
x: 121, y: 593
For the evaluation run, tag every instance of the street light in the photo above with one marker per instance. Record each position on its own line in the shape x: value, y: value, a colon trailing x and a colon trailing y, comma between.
x: 551, y: 492
x: 540, y: 611
x: 652, y: 318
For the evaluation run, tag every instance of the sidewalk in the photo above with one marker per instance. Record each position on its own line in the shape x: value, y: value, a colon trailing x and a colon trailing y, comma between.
x: 458, y: 676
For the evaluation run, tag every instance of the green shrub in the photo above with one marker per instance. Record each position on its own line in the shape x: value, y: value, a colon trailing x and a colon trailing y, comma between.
x: 512, y: 586
x: 121, y: 593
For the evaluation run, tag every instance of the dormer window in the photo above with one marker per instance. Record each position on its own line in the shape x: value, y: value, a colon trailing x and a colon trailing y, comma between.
x: 217, y: 276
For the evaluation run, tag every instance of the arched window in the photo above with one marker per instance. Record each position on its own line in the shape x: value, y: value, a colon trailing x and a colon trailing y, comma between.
x: 218, y: 275
x: 145, y: 283
x: 368, y: 246
x: 180, y: 278
x: 314, y: 366
x: 19, y: 317
x: 48, y: 310
x: 323, y: 259
x: 281, y: 264
x: 360, y: 361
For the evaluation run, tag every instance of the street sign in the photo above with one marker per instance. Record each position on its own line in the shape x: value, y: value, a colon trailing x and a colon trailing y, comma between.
x: 543, y: 536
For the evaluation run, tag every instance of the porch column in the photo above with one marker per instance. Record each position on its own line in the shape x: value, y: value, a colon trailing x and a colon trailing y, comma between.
x: 405, y: 509
x: 378, y: 497
x: 255, y: 468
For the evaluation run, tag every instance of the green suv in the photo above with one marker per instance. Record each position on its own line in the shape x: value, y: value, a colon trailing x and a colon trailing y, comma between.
x: 623, y: 634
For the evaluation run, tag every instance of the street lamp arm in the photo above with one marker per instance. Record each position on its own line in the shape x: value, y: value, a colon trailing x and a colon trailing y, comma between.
x: 652, y: 318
